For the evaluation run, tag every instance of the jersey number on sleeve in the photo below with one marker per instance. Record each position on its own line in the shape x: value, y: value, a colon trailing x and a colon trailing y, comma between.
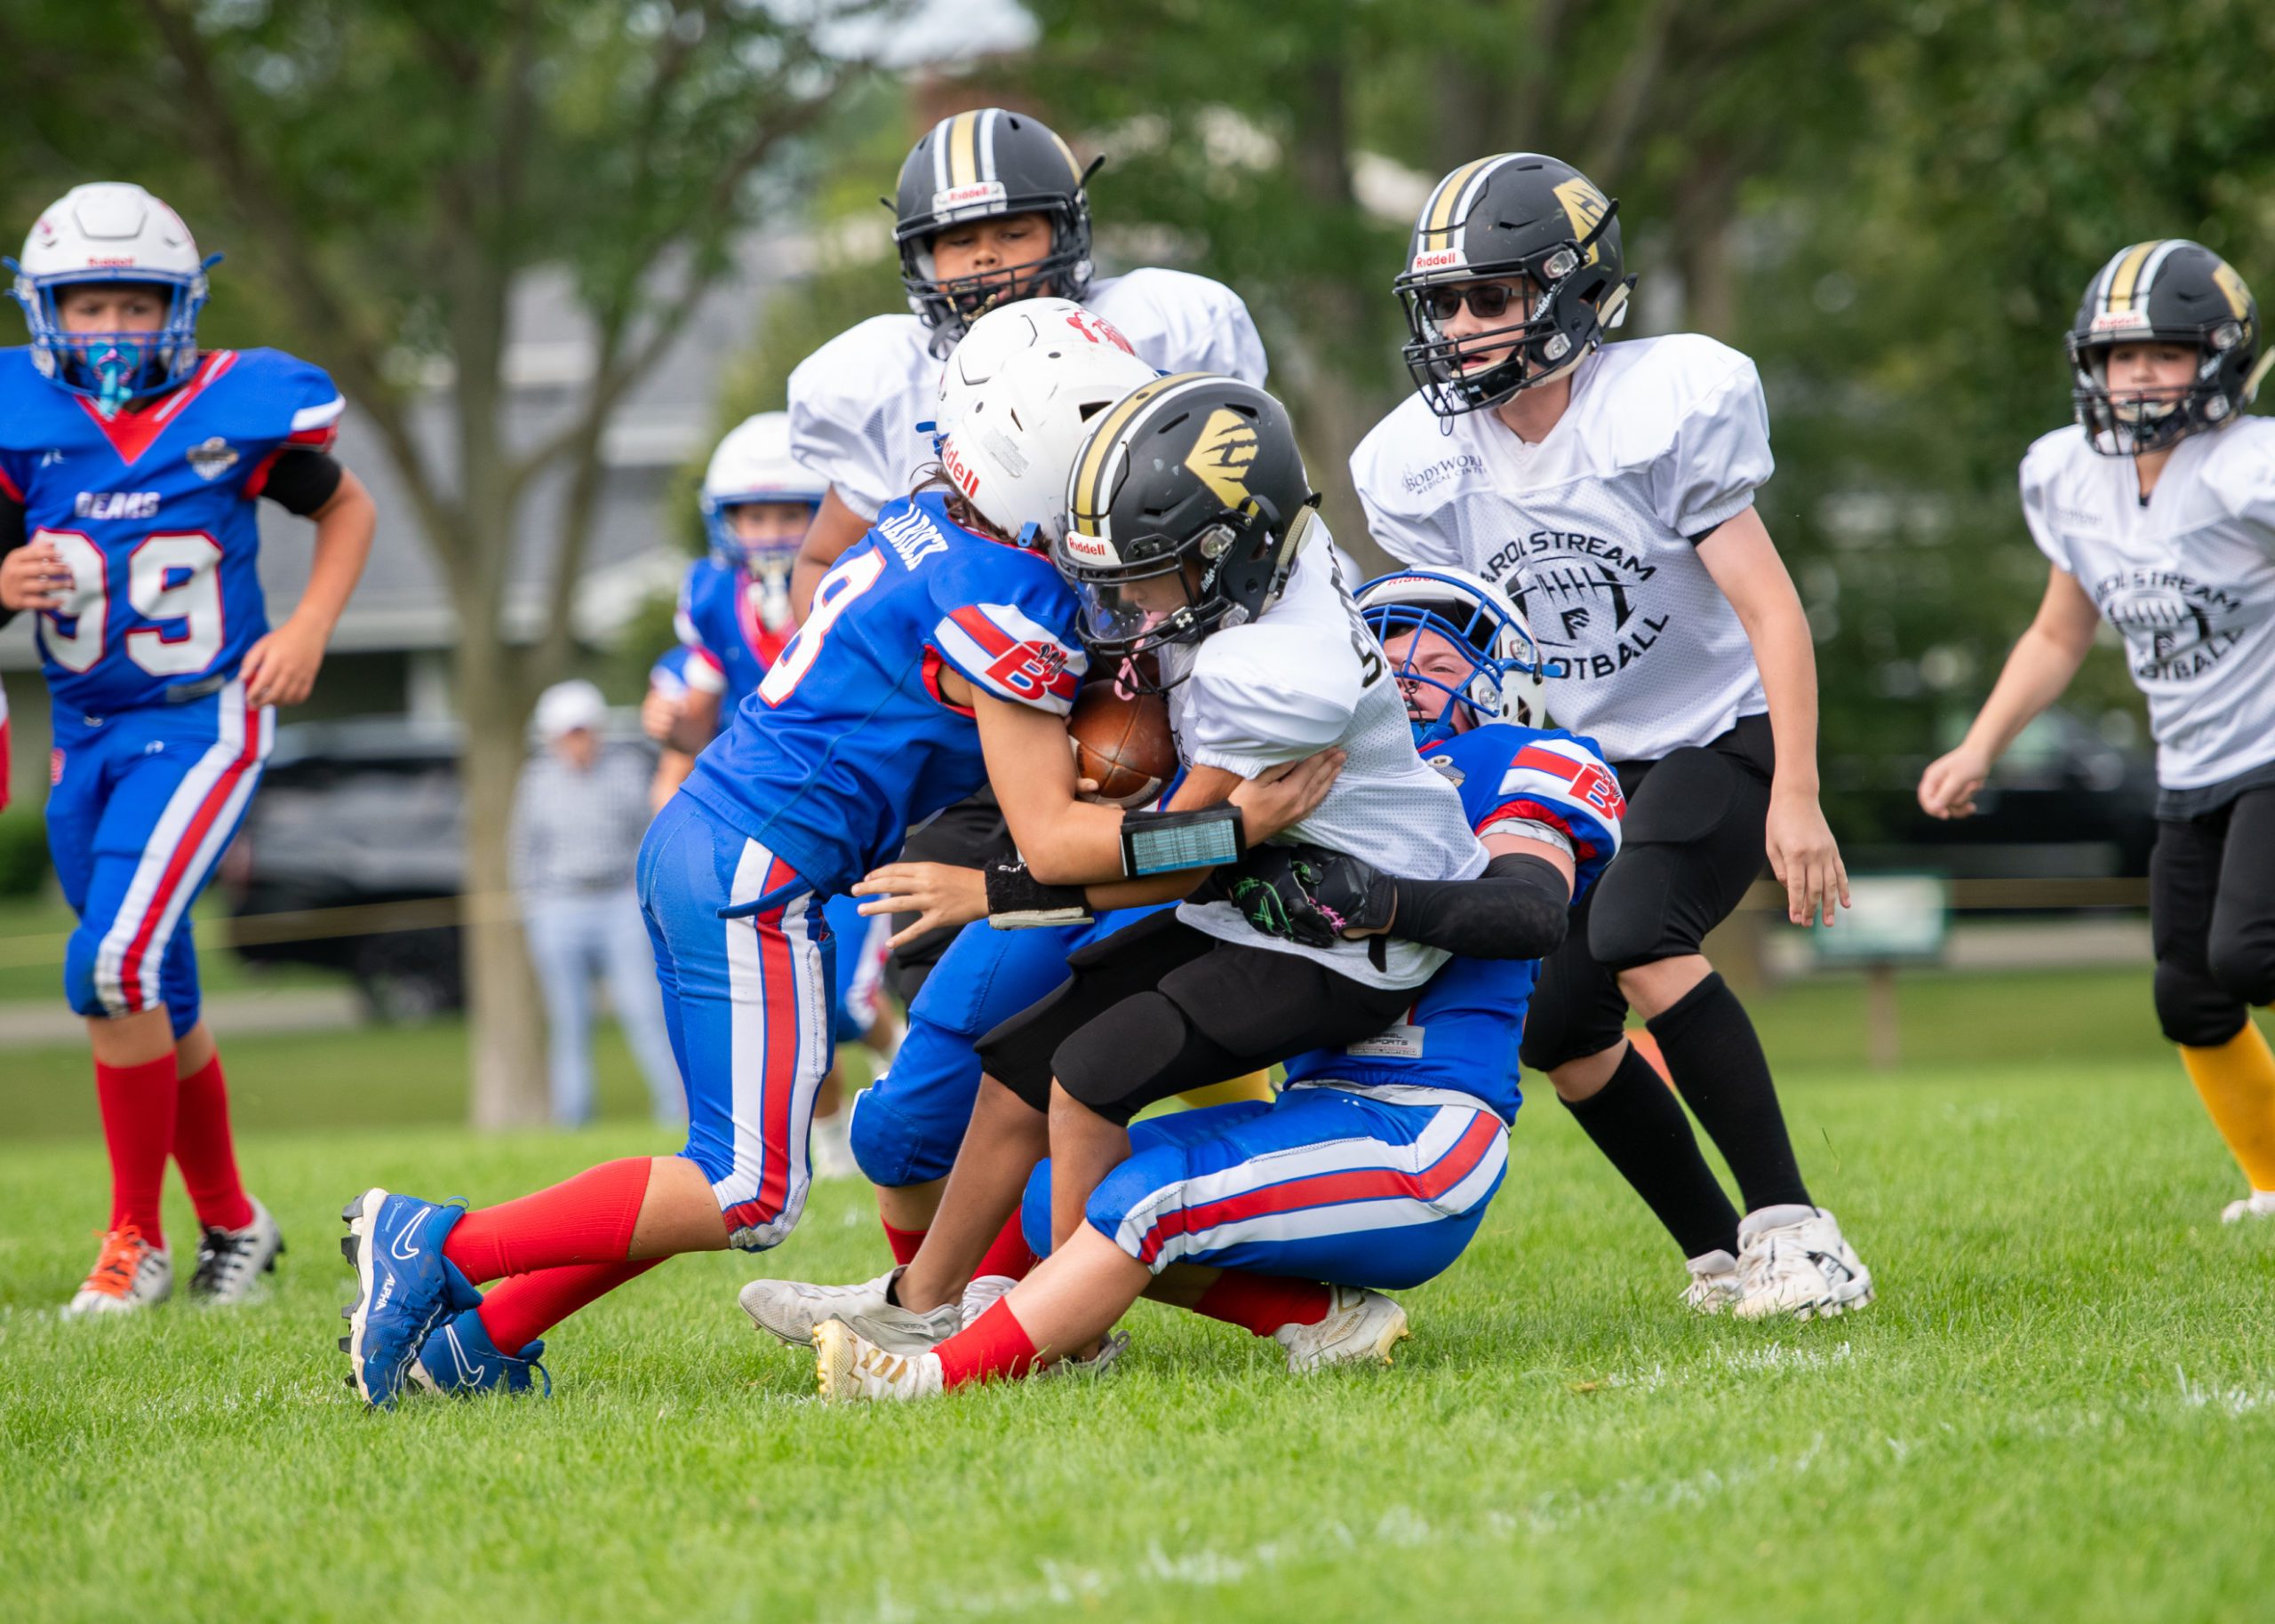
x: 852, y: 576
x: 170, y: 577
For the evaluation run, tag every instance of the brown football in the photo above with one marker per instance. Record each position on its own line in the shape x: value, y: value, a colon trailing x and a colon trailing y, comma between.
x: 1123, y: 743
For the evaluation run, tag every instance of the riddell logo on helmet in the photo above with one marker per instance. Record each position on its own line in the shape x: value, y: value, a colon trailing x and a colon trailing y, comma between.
x: 1085, y: 546
x: 966, y: 197
x: 1444, y: 258
x: 2110, y: 321
x: 966, y: 480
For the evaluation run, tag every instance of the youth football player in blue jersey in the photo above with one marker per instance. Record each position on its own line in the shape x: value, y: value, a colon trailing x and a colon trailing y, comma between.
x: 130, y: 462
x: 1372, y: 1170
x: 941, y: 653
x: 733, y: 621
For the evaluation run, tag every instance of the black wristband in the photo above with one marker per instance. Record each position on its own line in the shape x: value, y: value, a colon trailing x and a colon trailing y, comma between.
x: 1169, y: 842
x: 1017, y: 901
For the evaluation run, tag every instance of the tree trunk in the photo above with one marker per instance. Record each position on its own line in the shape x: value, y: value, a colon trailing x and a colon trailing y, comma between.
x: 505, y: 1024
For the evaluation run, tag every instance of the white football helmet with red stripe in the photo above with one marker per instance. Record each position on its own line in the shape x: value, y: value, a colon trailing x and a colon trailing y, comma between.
x: 1016, y: 398
x: 111, y: 231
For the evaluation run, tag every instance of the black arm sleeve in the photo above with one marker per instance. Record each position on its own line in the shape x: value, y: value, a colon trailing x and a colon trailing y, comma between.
x: 11, y: 536
x: 1518, y: 908
x: 301, y: 480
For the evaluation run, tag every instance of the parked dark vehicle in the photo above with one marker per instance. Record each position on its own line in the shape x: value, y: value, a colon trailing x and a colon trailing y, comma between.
x: 2063, y: 803
x: 356, y: 834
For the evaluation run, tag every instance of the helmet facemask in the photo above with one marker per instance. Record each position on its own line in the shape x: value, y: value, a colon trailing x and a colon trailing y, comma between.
x: 1180, y: 590
x: 2134, y: 424
x: 948, y: 306
x: 114, y: 369
x: 1574, y: 299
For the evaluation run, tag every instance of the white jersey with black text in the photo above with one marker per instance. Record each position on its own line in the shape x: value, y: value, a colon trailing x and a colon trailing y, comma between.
x: 2188, y: 578
x: 1304, y: 676
x: 855, y: 402
x: 1594, y: 531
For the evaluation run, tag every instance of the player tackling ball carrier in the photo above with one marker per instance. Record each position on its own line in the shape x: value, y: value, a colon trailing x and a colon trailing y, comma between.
x: 1374, y: 1168
x: 1191, y: 534
x: 1608, y: 490
x: 941, y: 651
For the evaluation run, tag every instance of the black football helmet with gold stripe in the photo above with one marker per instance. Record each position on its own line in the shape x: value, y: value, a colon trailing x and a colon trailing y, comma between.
x: 989, y: 162
x: 1522, y: 218
x: 2166, y: 292
x: 1185, y: 509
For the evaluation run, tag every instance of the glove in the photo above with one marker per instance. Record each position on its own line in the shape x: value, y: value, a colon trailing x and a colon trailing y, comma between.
x: 1310, y: 895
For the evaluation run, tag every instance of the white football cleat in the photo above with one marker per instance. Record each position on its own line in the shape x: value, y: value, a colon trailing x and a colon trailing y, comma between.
x: 1793, y: 1261
x: 129, y: 1274
x: 230, y: 1262
x: 790, y: 1310
x: 1114, y: 1347
x: 2258, y: 1204
x: 829, y: 1146
x: 1360, y: 1328
x: 848, y: 1369
x: 1714, y: 1283
x: 980, y: 1295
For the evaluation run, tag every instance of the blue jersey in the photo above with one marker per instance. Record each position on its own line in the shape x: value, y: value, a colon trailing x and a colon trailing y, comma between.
x: 849, y: 739
x: 721, y: 624
x: 153, y: 512
x: 1461, y: 1034
x: 669, y: 672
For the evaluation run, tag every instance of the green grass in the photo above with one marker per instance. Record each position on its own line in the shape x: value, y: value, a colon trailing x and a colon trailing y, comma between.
x: 2062, y: 1407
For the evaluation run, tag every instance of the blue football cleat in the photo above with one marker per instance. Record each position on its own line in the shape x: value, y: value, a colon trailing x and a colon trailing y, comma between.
x: 460, y: 1357
x: 404, y: 1287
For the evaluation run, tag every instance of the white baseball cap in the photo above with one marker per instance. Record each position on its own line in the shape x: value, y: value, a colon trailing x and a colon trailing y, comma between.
x: 566, y: 706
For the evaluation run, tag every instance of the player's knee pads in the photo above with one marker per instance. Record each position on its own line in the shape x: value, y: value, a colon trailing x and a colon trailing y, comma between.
x: 1116, y: 1063
x: 2243, y: 962
x: 1631, y: 917
x: 2192, y: 1009
x: 80, y: 984
x: 894, y: 1148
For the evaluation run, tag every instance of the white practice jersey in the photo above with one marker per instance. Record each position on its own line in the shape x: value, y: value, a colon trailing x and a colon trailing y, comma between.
x: 2188, y: 579
x: 855, y: 402
x: 1594, y: 531
x: 1303, y: 676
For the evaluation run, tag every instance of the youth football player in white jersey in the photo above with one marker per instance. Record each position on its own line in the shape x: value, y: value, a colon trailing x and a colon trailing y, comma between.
x: 1610, y: 491
x: 131, y: 463
x: 2156, y: 511
x: 991, y: 208
x: 1191, y: 538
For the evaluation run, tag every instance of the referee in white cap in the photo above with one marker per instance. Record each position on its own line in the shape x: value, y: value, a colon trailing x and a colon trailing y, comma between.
x: 578, y: 815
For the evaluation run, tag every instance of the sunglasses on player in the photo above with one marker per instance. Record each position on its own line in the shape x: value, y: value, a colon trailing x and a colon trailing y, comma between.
x: 1488, y: 301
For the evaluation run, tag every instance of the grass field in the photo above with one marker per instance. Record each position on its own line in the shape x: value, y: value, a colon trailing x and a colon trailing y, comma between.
x: 2062, y: 1407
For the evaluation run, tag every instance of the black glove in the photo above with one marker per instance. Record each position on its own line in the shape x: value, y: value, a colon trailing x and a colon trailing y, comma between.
x: 1308, y: 894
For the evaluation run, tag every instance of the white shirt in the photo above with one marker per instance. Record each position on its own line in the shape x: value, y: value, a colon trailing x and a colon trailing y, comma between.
x: 855, y: 402
x: 1303, y: 676
x: 2188, y: 578
x: 1593, y: 532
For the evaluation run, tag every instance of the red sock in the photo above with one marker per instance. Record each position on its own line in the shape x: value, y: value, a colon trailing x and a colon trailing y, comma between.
x: 1007, y: 1253
x: 523, y: 1307
x: 903, y: 1242
x: 1264, y: 1302
x: 206, y: 1152
x: 139, y: 1105
x: 585, y: 1219
x: 994, y: 1344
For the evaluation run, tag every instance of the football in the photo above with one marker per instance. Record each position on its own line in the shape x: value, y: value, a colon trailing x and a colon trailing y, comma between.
x: 1122, y: 742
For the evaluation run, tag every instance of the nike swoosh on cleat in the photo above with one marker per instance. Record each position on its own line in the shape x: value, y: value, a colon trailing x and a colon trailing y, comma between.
x: 395, y: 1246
x: 467, y: 1373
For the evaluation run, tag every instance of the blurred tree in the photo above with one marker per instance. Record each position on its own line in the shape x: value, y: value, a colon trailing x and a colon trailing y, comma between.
x: 396, y: 166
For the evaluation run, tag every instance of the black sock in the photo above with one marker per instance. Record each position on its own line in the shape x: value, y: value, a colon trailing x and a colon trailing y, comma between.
x: 1716, y: 1061
x: 1638, y: 1126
